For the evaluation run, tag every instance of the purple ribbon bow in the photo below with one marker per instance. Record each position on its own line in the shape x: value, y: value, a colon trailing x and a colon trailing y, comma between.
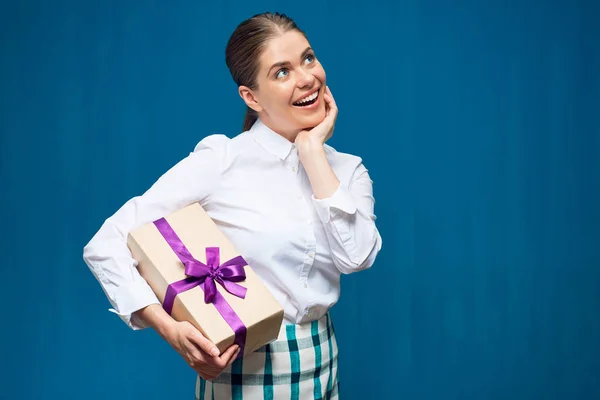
x: 205, y: 276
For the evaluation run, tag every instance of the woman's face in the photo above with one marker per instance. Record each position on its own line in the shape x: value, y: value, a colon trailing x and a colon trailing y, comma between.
x: 290, y: 86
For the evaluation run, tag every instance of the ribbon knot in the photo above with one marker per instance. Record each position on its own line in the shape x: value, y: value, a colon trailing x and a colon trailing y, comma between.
x: 207, y: 275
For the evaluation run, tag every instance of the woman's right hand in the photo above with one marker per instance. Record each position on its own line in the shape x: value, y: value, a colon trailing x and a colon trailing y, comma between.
x: 199, y: 352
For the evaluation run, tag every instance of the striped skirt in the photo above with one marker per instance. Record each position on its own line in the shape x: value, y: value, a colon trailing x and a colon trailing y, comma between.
x: 300, y: 365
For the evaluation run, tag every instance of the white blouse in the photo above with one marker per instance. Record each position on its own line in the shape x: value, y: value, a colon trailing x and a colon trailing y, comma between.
x: 255, y: 189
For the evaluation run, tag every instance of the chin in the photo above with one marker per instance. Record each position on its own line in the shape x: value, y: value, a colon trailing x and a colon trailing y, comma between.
x: 309, y: 122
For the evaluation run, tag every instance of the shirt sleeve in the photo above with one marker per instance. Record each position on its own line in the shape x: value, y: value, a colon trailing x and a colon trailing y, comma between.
x: 349, y: 221
x: 107, y: 255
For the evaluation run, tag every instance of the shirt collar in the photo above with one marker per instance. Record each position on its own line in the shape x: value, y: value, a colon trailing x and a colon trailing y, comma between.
x: 270, y: 140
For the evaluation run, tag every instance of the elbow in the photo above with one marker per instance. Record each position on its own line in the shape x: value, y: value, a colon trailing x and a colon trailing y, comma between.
x: 348, y: 268
x: 360, y: 260
x: 104, y: 242
x: 90, y: 250
x: 91, y: 257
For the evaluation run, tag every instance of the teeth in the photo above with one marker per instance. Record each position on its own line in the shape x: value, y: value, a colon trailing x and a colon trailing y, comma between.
x: 308, y: 98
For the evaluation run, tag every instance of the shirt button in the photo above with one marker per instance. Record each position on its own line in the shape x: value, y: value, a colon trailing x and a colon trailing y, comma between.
x: 294, y: 169
x: 305, y: 285
x: 311, y: 254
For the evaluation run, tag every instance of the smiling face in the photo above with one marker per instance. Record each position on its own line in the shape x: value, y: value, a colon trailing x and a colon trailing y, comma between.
x: 290, y: 86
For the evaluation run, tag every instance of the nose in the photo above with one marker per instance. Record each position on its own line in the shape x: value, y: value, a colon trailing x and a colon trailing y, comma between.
x: 305, y: 79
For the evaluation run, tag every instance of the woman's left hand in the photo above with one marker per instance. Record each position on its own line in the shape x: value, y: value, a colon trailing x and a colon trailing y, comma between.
x: 322, y: 132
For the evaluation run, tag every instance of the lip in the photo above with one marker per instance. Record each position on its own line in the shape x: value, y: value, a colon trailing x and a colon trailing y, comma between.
x: 313, y: 105
x: 306, y: 95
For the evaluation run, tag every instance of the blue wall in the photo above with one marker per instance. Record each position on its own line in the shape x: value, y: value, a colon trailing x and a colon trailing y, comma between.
x: 479, y: 123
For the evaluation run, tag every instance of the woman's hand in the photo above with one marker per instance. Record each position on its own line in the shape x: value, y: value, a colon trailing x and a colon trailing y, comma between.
x: 322, y: 132
x: 199, y: 352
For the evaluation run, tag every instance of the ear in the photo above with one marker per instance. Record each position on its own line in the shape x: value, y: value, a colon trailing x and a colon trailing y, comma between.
x: 249, y: 98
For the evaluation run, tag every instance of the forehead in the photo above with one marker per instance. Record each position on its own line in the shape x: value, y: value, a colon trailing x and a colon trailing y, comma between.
x: 286, y: 47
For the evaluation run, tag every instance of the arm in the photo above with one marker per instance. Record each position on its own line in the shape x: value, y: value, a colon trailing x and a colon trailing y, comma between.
x: 347, y: 214
x: 107, y: 254
x: 108, y: 257
x: 322, y: 178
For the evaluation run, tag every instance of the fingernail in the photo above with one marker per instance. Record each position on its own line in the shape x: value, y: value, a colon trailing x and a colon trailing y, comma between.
x: 214, y: 351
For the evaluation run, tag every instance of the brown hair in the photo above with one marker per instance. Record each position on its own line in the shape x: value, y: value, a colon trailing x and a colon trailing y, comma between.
x: 245, y: 46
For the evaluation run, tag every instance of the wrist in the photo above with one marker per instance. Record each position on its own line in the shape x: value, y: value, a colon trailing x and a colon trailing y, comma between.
x: 309, y: 146
x: 157, y: 318
x: 168, y: 330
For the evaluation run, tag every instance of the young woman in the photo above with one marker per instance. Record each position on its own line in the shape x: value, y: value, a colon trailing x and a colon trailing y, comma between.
x: 300, y: 213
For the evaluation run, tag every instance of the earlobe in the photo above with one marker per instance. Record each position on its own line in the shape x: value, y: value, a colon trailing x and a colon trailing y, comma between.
x: 249, y: 98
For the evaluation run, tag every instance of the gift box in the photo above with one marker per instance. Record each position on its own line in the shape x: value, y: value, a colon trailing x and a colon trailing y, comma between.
x: 200, y: 277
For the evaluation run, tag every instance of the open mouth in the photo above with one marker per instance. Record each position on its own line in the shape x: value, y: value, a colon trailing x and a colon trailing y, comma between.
x: 308, y: 100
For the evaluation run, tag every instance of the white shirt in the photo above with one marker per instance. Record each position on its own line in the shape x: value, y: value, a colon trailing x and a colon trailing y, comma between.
x: 255, y: 189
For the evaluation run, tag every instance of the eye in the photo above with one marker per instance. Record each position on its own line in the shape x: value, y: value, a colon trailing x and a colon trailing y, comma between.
x: 309, y: 59
x: 283, y: 72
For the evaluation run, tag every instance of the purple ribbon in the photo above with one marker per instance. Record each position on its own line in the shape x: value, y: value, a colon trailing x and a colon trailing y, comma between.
x: 205, y: 276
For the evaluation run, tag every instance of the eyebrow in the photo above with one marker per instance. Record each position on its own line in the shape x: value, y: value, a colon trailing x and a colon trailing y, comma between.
x: 286, y: 63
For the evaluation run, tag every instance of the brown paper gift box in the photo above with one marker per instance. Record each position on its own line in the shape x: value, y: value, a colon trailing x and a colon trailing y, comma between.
x: 160, y: 266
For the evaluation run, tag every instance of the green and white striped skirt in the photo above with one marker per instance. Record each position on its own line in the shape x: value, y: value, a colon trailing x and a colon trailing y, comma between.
x: 300, y: 365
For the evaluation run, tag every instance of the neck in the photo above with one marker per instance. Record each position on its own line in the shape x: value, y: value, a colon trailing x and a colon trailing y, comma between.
x: 289, y: 135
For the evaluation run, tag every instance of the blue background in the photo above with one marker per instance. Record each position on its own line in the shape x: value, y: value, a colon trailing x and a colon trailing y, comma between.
x: 479, y: 123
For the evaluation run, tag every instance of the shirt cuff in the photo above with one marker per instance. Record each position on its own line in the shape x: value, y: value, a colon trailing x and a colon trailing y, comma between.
x: 131, y: 299
x: 340, y: 200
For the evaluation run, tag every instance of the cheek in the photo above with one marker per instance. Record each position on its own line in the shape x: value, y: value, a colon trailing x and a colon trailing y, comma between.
x: 320, y: 74
x: 272, y: 100
x: 282, y: 95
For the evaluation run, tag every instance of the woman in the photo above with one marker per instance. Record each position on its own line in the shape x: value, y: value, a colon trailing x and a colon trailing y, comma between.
x: 299, y: 212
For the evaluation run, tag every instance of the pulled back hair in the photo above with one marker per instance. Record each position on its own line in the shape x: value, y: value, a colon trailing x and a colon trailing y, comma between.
x: 246, y: 45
